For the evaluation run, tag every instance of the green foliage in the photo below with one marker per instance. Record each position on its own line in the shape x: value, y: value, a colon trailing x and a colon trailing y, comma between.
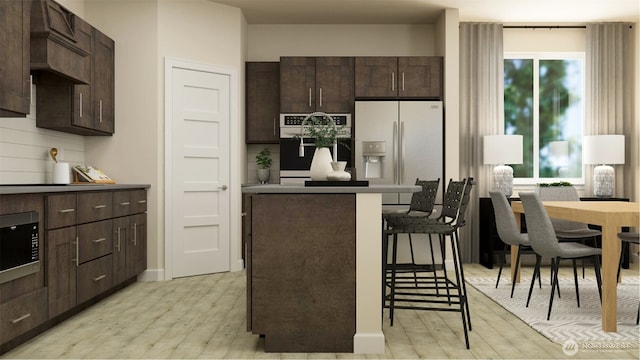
x: 324, y: 134
x: 263, y: 159
x: 559, y: 183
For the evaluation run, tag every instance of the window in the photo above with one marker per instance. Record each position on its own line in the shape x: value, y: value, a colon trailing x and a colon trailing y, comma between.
x: 543, y: 102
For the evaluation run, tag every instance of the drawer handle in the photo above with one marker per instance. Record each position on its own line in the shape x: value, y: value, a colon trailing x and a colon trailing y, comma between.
x: 67, y: 211
x: 142, y: 201
x: 125, y: 203
x: 100, y: 206
x: 17, y: 320
x: 99, y: 240
x: 118, y: 238
x: 99, y: 277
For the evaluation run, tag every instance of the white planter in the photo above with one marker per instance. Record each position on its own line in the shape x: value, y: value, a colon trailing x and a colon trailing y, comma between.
x: 263, y: 175
x: 321, y: 164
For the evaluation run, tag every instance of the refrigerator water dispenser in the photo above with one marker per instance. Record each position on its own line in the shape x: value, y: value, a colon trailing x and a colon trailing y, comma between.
x: 373, y: 153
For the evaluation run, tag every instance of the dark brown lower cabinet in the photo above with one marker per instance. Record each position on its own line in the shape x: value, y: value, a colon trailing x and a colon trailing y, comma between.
x: 61, y: 266
x: 301, y: 272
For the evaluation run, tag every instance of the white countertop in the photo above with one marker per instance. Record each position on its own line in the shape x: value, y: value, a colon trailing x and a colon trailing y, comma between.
x: 301, y: 189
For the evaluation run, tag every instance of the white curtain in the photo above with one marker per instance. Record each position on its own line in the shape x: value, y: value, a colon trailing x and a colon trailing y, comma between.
x: 610, y: 97
x: 481, y: 113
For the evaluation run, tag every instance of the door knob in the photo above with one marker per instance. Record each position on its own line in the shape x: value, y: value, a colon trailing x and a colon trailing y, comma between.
x: 223, y: 187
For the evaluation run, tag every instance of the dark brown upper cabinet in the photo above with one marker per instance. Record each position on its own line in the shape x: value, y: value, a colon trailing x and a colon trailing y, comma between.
x: 15, y: 84
x: 309, y: 84
x: 262, y: 103
x: 408, y: 77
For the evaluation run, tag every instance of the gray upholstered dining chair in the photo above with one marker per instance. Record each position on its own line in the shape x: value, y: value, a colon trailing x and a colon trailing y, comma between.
x: 568, y: 230
x: 508, y: 231
x: 545, y: 243
x: 631, y: 238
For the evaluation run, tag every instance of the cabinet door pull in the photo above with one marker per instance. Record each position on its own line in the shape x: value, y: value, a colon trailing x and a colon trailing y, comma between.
x: 80, y: 104
x: 63, y: 211
x: 20, y: 318
x: 100, y: 206
x: 100, y: 106
x: 125, y: 203
x: 135, y: 234
x: 320, y: 97
x: 403, y: 81
x: 76, y: 260
x: 142, y: 201
x: 309, y: 97
x: 274, y: 127
x: 99, y: 240
x: 99, y: 277
x: 118, y: 243
x: 393, y: 81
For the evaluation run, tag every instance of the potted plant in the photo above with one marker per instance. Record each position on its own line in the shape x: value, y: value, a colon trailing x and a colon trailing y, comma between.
x: 324, y: 132
x: 263, y: 160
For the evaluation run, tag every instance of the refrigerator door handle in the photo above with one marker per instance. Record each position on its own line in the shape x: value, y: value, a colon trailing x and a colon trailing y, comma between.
x: 394, y: 148
x: 402, y: 154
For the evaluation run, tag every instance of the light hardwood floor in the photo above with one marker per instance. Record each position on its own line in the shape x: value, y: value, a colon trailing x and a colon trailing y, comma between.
x: 203, y: 317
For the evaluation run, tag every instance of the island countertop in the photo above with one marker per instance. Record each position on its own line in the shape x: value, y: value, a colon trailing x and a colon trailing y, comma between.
x: 51, y: 188
x: 301, y: 189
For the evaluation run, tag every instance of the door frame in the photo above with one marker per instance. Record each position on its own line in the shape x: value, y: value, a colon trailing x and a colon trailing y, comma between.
x: 235, y: 254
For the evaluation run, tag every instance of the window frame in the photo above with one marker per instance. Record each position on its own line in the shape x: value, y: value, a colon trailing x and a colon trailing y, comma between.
x: 536, y: 56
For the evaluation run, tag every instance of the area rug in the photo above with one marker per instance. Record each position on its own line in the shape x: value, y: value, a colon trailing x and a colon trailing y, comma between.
x: 568, y: 323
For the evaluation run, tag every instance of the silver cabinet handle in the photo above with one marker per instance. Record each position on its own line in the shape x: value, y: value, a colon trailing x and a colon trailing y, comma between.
x: 100, y: 206
x: 67, y: 211
x: 223, y: 187
x: 275, y: 127
x: 320, y: 97
x: 20, y: 318
x: 393, y: 81
x: 135, y: 234
x: 80, y: 104
x: 100, y: 111
x: 403, y: 81
x: 99, y: 277
x: 125, y: 203
x: 118, y: 243
x: 77, y: 260
x: 142, y: 201
x: 96, y: 241
x: 309, y: 97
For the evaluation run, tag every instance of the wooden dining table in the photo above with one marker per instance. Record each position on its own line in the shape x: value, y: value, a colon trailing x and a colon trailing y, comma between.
x: 611, y: 216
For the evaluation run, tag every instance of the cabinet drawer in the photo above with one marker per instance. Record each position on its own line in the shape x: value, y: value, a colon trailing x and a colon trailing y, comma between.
x: 94, y: 206
x: 94, y: 278
x: 129, y: 202
x: 61, y: 210
x: 94, y: 240
x: 22, y: 314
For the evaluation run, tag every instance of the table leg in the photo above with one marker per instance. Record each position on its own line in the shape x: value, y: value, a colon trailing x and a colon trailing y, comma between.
x: 514, y: 254
x: 610, y: 256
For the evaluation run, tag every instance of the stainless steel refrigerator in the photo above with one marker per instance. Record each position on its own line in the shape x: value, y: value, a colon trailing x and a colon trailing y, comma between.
x: 395, y: 143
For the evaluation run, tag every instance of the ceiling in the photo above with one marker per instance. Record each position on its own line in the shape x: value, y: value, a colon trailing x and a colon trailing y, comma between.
x: 427, y: 11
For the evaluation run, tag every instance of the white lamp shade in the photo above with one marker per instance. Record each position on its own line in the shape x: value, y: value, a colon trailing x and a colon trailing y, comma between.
x: 603, y: 149
x: 502, y: 149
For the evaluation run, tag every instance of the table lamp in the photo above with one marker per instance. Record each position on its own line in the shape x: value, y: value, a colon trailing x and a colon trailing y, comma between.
x: 501, y: 150
x: 603, y: 150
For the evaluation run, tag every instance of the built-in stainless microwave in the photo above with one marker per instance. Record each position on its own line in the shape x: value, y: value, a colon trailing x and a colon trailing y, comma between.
x: 19, y: 245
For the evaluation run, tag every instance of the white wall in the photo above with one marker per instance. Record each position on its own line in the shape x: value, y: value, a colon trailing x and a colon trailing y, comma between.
x: 269, y: 42
x: 551, y: 40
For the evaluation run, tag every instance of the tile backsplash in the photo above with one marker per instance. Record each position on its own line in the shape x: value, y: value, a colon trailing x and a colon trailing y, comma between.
x: 252, y: 168
x: 24, y: 149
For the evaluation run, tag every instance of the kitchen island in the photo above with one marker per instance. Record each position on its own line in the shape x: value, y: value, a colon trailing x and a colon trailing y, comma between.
x: 314, y: 276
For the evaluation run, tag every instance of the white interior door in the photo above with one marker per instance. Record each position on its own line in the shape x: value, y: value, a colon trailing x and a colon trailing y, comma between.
x: 199, y: 172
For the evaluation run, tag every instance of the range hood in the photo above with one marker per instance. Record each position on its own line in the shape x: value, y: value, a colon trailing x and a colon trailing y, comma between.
x: 60, y: 43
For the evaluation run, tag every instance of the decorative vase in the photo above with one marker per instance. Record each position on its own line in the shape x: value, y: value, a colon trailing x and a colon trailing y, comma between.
x: 338, y: 173
x: 321, y: 164
x: 263, y: 175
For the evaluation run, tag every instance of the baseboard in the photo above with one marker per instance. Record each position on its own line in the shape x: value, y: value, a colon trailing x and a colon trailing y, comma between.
x: 368, y: 343
x: 152, y: 275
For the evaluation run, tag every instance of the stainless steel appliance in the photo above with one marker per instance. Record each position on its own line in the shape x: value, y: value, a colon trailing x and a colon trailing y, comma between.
x: 19, y: 245
x: 395, y: 143
x: 294, y: 169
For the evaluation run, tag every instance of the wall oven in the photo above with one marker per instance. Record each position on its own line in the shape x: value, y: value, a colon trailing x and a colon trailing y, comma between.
x: 294, y: 169
x: 19, y: 245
